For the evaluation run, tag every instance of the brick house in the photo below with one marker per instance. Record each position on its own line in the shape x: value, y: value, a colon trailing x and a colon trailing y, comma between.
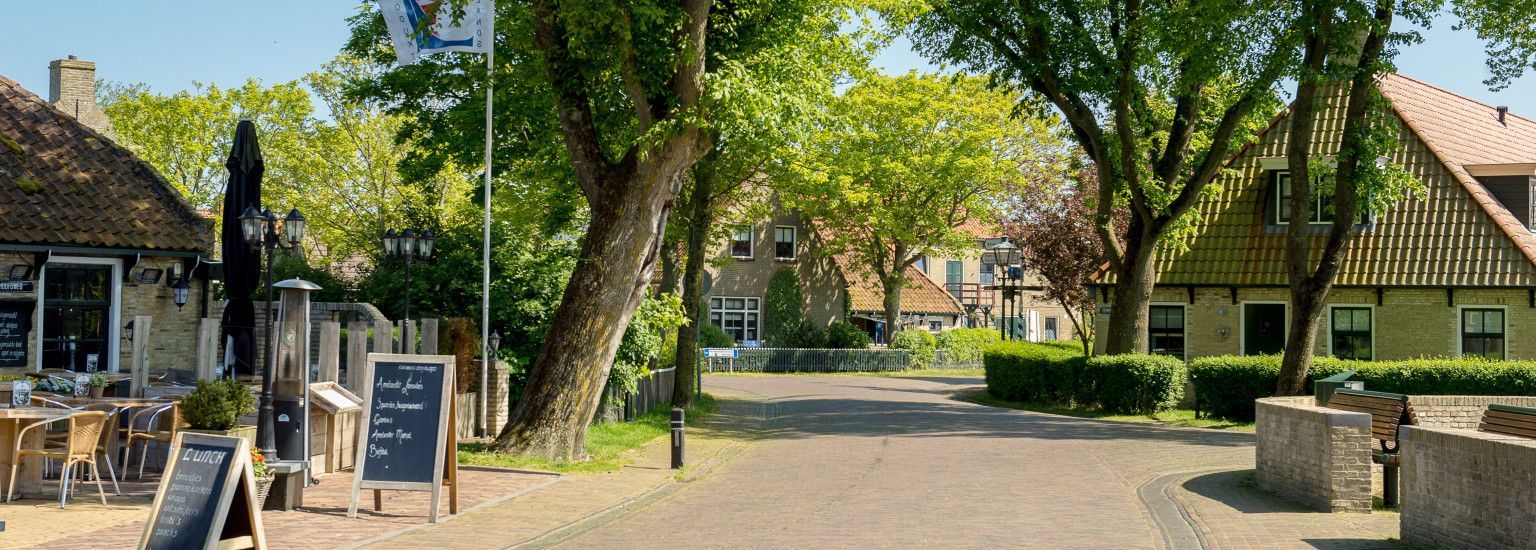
x: 972, y: 281
x: 1452, y: 273
x: 90, y: 237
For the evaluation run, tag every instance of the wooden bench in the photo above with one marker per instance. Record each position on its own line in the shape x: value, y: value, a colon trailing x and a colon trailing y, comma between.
x: 1389, y: 411
x: 1509, y: 420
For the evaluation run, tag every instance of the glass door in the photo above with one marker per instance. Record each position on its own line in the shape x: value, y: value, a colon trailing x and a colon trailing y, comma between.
x: 77, y: 307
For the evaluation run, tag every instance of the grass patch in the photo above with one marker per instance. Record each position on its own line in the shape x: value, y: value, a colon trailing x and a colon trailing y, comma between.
x: 913, y: 372
x: 609, y: 445
x: 1178, y: 417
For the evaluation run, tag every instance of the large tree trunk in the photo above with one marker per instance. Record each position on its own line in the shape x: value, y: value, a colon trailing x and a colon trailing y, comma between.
x: 892, y: 286
x: 701, y: 217
x: 1134, y: 281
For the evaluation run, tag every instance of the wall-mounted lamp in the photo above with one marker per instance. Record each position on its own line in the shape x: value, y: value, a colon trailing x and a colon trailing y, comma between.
x: 20, y: 271
x: 149, y: 275
x: 128, y: 331
x: 179, y: 293
x: 174, y: 274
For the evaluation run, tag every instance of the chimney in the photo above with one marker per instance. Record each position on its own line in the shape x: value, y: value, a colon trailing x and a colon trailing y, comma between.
x: 72, y: 88
x: 1503, y: 110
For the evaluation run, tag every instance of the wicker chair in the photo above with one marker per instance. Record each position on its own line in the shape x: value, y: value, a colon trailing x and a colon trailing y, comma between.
x: 157, y: 416
x: 84, y: 436
x: 108, y: 432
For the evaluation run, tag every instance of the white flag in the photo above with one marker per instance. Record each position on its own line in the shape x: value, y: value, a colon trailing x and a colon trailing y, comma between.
x: 472, y: 33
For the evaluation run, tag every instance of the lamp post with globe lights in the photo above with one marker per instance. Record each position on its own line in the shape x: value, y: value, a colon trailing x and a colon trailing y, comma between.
x: 260, y: 232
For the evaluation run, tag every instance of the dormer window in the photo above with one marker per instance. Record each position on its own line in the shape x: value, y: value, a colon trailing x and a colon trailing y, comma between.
x: 1280, y: 210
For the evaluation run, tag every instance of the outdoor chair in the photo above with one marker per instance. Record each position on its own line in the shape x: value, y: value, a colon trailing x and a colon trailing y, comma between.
x: 108, y: 432
x: 168, y: 415
x: 84, y: 435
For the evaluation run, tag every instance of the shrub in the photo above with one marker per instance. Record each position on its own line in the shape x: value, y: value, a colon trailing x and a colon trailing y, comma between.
x: 1134, y: 383
x: 964, y: 346
x: 711, y: 336
x: 782, y: 319
x: 1073, y: 346
x: 217, y: 404
x: 806, y: 334
x: 920, y: 342
x: 1029, y: 372
x: 846, y: 335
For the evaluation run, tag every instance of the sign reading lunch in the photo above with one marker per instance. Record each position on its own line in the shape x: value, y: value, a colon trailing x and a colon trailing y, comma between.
x: 405, y: 442
x: 206, y: 497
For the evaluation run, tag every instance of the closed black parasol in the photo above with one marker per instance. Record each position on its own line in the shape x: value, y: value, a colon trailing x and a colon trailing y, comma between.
x: 242, y: 263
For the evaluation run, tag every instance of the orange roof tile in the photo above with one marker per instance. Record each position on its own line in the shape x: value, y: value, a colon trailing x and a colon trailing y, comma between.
x: 865, y: 294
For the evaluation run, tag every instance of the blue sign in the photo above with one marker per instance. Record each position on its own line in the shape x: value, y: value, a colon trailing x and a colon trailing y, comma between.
x: 719, y: 353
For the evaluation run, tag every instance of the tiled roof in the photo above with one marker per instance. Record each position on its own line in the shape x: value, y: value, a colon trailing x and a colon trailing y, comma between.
x: 1457, y: 234
x: 866, y: 295
x: 63, y: 183
x: 979, y: 229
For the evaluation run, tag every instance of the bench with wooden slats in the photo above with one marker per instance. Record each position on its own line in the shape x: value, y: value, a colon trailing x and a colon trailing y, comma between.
x: 1388, y: 411
x: 1509, y: 420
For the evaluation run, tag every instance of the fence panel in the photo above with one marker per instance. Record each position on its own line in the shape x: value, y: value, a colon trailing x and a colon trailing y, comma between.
x: 811, y: 360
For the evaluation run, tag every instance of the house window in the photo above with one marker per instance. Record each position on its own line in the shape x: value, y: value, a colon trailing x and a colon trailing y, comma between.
x: 77, y: 312
x: 1322, y: 206
x: 1166, y: 330
x: 783, y: 243
x: 1352, y: 333
x: 1482, y: 333
x: 954, y: 275
x: 738, y: 317
x: 741, y: 243
x: 922, y: 264
x: 988, y: 273
x: 1051, y: 332
x: 935, y: 326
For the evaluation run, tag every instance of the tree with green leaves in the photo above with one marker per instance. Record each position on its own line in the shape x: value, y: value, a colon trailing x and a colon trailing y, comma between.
x: 903, y: 162
x: 782, y: 307
x: 1158, y: 95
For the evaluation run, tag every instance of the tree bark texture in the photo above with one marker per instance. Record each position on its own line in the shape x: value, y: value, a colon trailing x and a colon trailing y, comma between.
x: 1134, y: 281
x: 892, y: 286
x: 701, y: 218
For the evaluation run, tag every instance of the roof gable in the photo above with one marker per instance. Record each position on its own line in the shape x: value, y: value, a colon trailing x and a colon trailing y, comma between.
x: 865, y: 292
x: 62, y: 183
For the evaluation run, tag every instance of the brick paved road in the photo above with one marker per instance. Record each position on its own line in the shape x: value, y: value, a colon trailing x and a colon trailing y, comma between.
x: 867, y: 461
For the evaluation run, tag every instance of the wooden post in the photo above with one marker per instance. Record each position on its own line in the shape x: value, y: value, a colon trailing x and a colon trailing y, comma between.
x: 140, y: 368
x: 330, y: 352
x: 429, y: 336
x: 357, y: 353
x: 407, y: 338
x: 383, y: 337
x: 207, y: 349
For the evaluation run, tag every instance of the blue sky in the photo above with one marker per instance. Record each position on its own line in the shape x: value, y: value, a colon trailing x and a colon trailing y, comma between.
x: 170, y: 44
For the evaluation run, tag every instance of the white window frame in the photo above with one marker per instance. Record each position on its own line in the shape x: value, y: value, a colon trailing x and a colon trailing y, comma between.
x: 1052, y: 319
x: 756, y: 312
x: 1372, y: 309
x: 114, y: 313
x: 794, y: 243
x: 1460, y: 338
x: 1242, y: 323
x: 1317, y: 204
x: 1181, y: 305
x: 751, y: 242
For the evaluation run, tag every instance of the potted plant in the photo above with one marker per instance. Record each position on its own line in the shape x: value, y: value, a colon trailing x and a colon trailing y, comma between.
x: 215, y: 407
x: 263, y: 477
x: 98, y: 384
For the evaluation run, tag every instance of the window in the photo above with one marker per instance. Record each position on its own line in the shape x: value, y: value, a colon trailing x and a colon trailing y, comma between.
x: 1051, y: 332
x: 1352, y: 333
x: 922, y: 264
x: 954, y: 275
x: 1482, y: 333
x: 1166, y: 330
x: 77, y: 310
x: 738, y: 317
x: 935, y: 326
x: 988, y: 273
x: 741, y: 243
x: 1322, y: 206
x: 783, y: 243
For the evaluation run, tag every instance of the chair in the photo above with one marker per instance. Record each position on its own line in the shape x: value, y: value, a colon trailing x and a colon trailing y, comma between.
x: 84, y: 435
x: 108, y: 432
x: 149, y: 434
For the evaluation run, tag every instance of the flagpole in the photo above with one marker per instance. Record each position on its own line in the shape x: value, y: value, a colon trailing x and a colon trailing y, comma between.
x: 485, y: 257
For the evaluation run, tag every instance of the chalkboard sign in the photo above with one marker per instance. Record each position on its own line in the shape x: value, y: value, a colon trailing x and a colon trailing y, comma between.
x: 207, y: 497
x: 407, y: 399
x: 15, y: 323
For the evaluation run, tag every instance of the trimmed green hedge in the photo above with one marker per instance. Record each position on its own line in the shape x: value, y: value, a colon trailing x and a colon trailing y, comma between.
x: 1226, y: 386
x: 963, y: 347
x: 1037, y: 373
x: 846, y: 335
x: 920, y: 342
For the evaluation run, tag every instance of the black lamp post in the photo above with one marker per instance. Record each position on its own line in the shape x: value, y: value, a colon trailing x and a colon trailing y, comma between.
x: 409, y: 245
x: 1004, y: 255
x: 260, y: 232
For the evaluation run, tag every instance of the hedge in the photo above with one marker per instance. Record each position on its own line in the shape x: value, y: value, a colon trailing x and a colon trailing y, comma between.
x: 963, y: 347
x: 1134, y: 383
x: 918, y: 341
x: 1032, y: 373
x: 846, y: 335
x: 1226, y: 386
x: 1129, y: 384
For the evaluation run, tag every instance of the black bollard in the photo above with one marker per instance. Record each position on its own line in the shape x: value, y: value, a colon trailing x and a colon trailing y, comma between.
x: 677, y: 438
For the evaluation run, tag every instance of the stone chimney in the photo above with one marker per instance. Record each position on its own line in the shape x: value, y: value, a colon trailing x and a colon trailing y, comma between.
x: 72, y: 88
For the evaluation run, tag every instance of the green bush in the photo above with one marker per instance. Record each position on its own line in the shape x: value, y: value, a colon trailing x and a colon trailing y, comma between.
x: 1134, y: 383
x: 964, y: 346
x: 920, y: 342
x: 846, y: 335
x: 783, y: 322
x: 711, y: 336
x: 217, y: 404
x: 1073, y: 346
x: 807, y: 334
x: 1029, y: 372
x: 1226, y: 386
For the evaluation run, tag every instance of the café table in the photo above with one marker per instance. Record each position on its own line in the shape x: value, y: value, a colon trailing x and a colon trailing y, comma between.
x: 29, y: 477
x: 126, y: 404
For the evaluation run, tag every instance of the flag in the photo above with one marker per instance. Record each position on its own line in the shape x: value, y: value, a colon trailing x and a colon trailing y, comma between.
x: 405, y: 18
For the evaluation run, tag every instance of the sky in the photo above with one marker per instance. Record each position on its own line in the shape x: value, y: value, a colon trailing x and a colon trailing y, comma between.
x: 227, y: 41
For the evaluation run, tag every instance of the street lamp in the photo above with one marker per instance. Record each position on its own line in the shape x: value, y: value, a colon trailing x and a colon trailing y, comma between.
x: 1004, y: 255
x: 260, y: 232
x: 408, y: 245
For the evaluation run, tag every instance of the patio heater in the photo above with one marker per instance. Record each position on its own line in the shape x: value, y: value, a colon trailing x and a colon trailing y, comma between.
x: 290, y: 379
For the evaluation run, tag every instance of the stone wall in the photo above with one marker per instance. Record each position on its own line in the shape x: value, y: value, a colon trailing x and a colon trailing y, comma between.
x: 1458, y: 411
x: 1467, y: 489
x: 1315, y: 456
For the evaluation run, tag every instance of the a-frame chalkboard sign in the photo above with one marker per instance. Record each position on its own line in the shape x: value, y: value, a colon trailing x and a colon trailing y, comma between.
x: 207, y: 497
x: 407, y: 442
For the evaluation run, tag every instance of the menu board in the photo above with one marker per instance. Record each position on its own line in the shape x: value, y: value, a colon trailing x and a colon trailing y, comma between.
x: 206, y: 497
x: 405, y: 437
x: 15, y: 323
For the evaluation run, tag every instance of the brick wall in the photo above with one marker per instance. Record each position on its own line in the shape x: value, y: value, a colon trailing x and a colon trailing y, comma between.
x: 1458, y: 411
x: 821, y: 288
x: 1467, y: 489
x: 72, y: 88
x: 1315, y: 456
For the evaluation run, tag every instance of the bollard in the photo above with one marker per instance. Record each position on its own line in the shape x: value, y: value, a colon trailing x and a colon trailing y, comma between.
x: 677, y: 438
